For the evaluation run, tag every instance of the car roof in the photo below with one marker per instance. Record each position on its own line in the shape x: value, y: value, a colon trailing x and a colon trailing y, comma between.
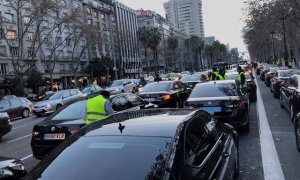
x: 149, y: 122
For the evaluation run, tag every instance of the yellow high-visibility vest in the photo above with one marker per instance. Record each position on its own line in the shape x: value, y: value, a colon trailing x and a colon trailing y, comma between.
x: 95, y: 109
x: 239, y: 79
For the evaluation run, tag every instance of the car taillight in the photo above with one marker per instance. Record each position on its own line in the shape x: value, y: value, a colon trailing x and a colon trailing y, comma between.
x: 166, y: 97
x: 298, y: 95
x: 73, y: 131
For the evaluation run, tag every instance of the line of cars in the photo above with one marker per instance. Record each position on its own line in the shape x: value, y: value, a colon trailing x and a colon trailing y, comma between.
x: 191, y: 143
x: 284, y: 83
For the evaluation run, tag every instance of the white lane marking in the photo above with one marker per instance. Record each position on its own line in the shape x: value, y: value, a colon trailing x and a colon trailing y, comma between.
x: 270, y: 160
x: 20, y: 126
x: 19, y: 138
x: 26, y: 157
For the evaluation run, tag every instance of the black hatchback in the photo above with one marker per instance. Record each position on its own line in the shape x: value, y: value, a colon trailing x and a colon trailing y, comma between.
x: 5, y: 124
x: 63, y: 123
x: 148, y: 144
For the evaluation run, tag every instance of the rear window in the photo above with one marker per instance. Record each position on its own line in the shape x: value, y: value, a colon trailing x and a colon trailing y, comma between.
x: 109, y: 157
x: 156, y: 87
x: 214, y: 90
x: 191, y: 78
x: 286, y: 73
x: 74, y: 111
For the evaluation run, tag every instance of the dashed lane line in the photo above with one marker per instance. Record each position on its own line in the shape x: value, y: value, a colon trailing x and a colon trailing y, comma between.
x: 19, y: 138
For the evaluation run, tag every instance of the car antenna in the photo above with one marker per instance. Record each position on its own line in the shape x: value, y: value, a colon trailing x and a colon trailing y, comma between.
x: 121, y: 127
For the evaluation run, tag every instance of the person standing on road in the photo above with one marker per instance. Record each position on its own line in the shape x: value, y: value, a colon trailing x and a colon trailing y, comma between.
x: 215, y: 74
x: 143, y: 82
x: 98, y: 107
x: 157, y: 78
x: 222, y: 74
x: 241, y: 79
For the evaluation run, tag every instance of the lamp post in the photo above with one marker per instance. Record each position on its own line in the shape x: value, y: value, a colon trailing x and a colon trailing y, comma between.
x: 286, y: 56
x: 273, y: 45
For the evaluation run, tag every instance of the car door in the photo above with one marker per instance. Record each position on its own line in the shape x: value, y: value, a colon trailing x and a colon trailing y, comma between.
x: 120, y: 103
x: 5, y: 107
x: 285, y: 93
x: 204, y: 145
x: 66, y: 96
x: 74, y: 94
x: 136, y: 102
x: 290, y: 91
x: 15, y: 107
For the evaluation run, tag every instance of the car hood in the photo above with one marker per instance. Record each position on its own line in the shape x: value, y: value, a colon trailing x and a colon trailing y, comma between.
x: 214, y: 98
x: 44, y: 103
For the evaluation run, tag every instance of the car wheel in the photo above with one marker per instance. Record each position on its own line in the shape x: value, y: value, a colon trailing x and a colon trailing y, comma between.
x: 237, y: 160
x: 122, y: 91
x: 281, y: 101
x: 58, y: 106
x: 25, y: 113
x: 297, y: 134
x: 292, y: 113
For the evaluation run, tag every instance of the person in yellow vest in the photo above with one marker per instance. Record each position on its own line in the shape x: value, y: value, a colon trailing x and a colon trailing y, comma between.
x: 241, y: 79
x: 290, y: 63
x: 215, y: 74
x: 98, y: 107
x: 222, y: 74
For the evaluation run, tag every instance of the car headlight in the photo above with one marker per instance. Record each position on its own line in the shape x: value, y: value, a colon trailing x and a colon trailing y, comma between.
x: 140, y: 89
x: 117, y: 89
x: 48, y: 106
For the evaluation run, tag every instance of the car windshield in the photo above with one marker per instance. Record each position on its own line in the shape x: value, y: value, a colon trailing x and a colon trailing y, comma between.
x: 117, y: 83
x: 86, y: 89
x: 47, y: 96
x: 190, y: 78
x: 56, y: 95
x: 214, y: 90
x: 156, y: 87
x: 99, y: 156
x: 74, y: 111
x: 286, y: 73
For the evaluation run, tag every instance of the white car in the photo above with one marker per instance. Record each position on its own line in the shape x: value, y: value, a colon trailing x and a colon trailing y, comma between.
x: 121, y: 86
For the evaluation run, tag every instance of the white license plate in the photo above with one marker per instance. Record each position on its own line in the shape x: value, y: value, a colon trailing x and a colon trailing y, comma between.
x: 56, y: 136
x: 211, y: 109
x: 151, y: 99
x: 38, y: 110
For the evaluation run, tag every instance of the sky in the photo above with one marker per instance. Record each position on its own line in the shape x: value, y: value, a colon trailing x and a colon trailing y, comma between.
x: 222, y: 18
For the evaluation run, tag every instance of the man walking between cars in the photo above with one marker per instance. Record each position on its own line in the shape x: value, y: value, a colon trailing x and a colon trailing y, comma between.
x: 98, y: 107
x: 242, y: 81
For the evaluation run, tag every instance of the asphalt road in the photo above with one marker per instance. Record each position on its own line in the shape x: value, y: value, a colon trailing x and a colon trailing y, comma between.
x: 17, y: 142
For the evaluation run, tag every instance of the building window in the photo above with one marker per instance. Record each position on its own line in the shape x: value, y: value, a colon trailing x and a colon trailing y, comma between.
x: 11, y: 35
x: 3, y: 68
x: 26, y: 19
x: 30, y: 52
x: 102, y: 16
x: 3, y: 51
x: 14, y: 50
x: 89, y: 21
x: 88, y: 10
x: 2, y: 34
x: 68, y: 41
x: 70, y: 67
x: 9, y: 17
x: 29, y: 36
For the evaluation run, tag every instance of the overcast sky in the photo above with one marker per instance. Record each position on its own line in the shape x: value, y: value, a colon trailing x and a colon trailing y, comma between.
x: 222, y: 18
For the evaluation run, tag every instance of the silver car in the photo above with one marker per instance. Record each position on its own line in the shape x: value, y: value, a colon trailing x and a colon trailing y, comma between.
x: 121, y: 86
x: 56, y: 101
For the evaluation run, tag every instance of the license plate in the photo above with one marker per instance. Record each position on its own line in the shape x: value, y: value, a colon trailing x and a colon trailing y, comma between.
x: 56, y: 136
x: 211, y: 109
x: 38, y: 110
x: 151, y: 99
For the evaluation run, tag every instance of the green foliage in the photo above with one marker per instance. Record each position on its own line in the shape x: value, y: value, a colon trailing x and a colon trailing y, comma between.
x: 34, y: 80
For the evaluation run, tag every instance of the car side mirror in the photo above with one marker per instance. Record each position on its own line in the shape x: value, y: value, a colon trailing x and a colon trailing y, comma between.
x: 228, y: 129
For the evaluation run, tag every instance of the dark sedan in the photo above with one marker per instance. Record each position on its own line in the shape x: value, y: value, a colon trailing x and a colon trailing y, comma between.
x: 147, y: 144
x: 223, y: 100
x: 251, y: 85
x: 16, y: 107
x: 5, y: 124
x: 263, y: 71
x: 191, y: 80
x: 290, y: 95
x: 279, y: 78
x: 11, y: 168
x: 166, y: 94
x: 269, y: 75
x: 63, y: 123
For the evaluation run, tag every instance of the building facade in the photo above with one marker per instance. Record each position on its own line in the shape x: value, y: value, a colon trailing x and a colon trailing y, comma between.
x: 186, y: 16
x: 209, y: 40
x: 128, y: 52
x: 52, y: 42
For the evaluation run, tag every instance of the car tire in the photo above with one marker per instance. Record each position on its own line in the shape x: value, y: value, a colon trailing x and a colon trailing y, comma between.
x: 237, y: 160
x: 292, y: 112
x: 58, y: 106
x: 25, y: 113
x: 122, y: 91
x: 297, y: 133
x: 281, y: 101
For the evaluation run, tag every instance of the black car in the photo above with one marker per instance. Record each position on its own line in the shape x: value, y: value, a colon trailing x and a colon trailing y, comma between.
x: 147, y: 144
x: 224, y: 100
x: 264, y: 70
x: 166, y: 94
x: 269, y: 75
x: 251, y: 85
x: 65, y: 122
x: 11, y: 168
x: 16, y: 107
x: 279, y: 78
x: 5, y: 124
x: 290, y: 95
x: 191, y: 80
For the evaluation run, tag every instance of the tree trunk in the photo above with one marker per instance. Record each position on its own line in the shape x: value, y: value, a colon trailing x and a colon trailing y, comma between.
x: 146, y: 60
x: 201, y: 63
